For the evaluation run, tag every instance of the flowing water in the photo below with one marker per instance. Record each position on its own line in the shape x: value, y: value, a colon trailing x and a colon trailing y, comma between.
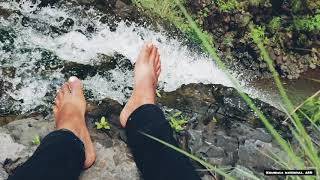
x: 35, y: 45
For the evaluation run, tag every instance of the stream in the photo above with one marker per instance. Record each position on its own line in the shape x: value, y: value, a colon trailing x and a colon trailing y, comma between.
x: 36, y: 44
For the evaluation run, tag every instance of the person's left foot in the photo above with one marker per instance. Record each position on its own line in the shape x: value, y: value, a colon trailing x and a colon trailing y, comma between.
x: 69, y: 110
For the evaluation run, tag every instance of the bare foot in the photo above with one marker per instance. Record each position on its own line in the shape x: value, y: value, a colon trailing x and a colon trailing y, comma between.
x: 69, y: 110
x: 146, y: 73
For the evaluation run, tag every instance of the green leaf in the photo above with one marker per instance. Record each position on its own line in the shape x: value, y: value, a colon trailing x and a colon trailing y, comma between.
x: 177, y: 114
x: 103, y: 120
x: 36, y: 140
x: 106, y: 127
x: 158, y: 94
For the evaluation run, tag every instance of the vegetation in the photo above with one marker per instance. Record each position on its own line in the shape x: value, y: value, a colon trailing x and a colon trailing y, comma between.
x: 306, y: 155
x: 308, y: 23
x: 228, y: 5
x: 168, y: 10
x: 275, y: 23
x: 177, y: 122
x: 158, y: 94
x: 103, y: 124
x: 36, y: 140
x: 311, y: 109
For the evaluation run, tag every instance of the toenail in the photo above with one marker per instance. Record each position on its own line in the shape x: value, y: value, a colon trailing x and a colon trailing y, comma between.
x: 149, y: 45
x: 73, y: 79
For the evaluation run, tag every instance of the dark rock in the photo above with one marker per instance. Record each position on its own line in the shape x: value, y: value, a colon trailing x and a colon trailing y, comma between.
x: 8, y: 72
x: 45, y: 3
x: 226, y: 131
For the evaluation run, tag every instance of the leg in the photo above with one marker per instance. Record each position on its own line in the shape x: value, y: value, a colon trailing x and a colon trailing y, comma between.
x: 155, y: 161
x: 65, y: 152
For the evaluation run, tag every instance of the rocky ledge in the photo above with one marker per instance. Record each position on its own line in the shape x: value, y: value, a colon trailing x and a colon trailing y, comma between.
x: 221, y: 129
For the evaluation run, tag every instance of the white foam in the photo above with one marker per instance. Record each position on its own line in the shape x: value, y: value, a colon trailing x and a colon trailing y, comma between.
x: 179, y: 64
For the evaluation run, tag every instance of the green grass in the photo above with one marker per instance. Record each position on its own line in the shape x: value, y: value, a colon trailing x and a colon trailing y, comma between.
x: 303, y: 157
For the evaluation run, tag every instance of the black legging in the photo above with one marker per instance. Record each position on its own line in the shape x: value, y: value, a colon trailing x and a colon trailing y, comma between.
x: 61, y: 154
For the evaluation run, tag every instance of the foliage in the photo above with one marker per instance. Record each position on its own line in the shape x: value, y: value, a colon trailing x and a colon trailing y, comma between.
x: 103, y: 124
x: 36, y: 140
x: 275, y: 23
x: 177, y: 122
x: 307, y: 23
x: 311, y: 108
x: 158, y: 94
x: 167, y: 9
x: 226, y: 5
x: 296, y: 5
x: 257, y: 34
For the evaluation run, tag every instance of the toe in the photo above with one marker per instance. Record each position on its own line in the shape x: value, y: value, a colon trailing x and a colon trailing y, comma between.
x: 75, y: 86
x: 65, y: 89
x: 145, y: 51
x: 55, y: 110
x: 158, y: 72
x: 157, y: 60
x: 154, y: 54
x: 58, y: 98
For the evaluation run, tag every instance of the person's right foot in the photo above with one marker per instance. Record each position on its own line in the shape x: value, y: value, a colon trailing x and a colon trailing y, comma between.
x: 69, y: 109
x: 146, y: 73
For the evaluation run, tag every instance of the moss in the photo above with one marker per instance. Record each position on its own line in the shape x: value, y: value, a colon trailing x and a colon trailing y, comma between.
x: 275, y: 24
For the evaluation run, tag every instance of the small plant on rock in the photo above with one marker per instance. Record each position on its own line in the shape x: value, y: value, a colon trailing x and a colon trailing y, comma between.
x: 36, y: 140
x: 103, y: 124
x: 177, y: 122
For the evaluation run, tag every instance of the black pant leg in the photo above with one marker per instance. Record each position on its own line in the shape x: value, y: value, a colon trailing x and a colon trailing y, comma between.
x: 155, y: 160
x: 60, y: 156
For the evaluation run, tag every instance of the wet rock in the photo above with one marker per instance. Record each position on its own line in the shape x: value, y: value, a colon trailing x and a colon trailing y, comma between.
x: 251, y: 154
x: 237, y: 172
x: 80, y: 70
x: 45, y: 3
x: 8, y: 72
x: 225, y: 131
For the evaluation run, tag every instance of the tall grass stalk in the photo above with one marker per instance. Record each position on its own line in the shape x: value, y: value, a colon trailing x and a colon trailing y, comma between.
x: 302, y: 135
x: 298, y: 163
x: 202, y: 162
x: 296, y: 160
